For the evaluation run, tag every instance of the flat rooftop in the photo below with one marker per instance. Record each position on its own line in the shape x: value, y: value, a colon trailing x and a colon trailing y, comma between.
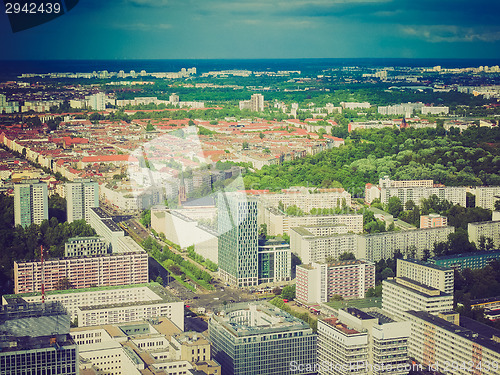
x: 426, y: 264
x: 476, y: 254
x: 100, y: 212
x: 334, y: 322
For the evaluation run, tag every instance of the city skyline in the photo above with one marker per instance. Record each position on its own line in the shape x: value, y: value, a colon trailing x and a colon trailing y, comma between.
x: 149, y: 29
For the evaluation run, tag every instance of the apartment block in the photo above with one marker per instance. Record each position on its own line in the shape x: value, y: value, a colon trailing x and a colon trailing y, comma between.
x: 279, y: 223
x: 238, y: 243
x: 486, y: 197
x: 317, y: 283
x: 81, y: 195
x: 455, y: 195
x: 373, y: 247
x: 35, y: 340
x: 101, y: 270
x: 432, y: 275
x: 439, y: 345
x: 462, y: 261
x: 112, y: 304
x: 433, y: 221
x: 372, y: 192
x: 248, y: 339
x: 85, y: 246
x: 486, y: 229
x: 362, y: 343
x: 30, y: 203
x: 306, y: 200
x: 378, y: 246
x: 275, y: 261
x: 402, y: 294
x: 386, y: 182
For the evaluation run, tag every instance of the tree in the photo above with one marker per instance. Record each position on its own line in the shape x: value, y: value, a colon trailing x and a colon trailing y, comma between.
x: 288, y: 292
x: 63, y: 284
x: 387, y: 272
x: 245, y: 145
x: 337, y: 297
x: 263, y: 231
x: 394, y: 206
x: 150, y: 127
x: 497, y: 205
x: 347, y: 256
x: 261, y: 135
x: 159, y: 280
x: 277, y: 291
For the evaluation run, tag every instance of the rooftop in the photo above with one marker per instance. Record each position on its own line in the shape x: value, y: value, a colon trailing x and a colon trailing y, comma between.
x: 476, y: 254
x: 334, y: 322
x: 426, y: 264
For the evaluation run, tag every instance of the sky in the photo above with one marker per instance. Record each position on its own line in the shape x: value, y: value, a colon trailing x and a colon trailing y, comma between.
x: 257, y: 29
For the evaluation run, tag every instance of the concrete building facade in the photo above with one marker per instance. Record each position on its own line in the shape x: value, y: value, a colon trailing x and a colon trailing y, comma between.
x: 81, y: 195
x: 30, y: 203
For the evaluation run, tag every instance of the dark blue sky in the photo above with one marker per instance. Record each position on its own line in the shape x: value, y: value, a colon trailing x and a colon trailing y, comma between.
x: 245, y: 29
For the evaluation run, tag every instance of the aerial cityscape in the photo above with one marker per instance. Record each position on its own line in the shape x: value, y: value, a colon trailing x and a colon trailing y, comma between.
x: 250, y: 188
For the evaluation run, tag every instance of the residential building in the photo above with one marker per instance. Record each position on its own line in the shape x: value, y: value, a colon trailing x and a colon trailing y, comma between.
x: 433, y: 221
x: 362, y: 343
x: 486, y: 229
x: 275, y: 261
x: 279, y: 223
x: 310, y: 248
x: 443, y: 110
x: 35, y: 340
x: 105, y: 226
x: 439, y: 345
x: 85, y: 246
x: 259, y: 338
x: 462, y: 261
x: 255, y: 104
x: 486, y: 197
x: 372, y: 192
x: 432, y: 275
x: 101, y: 270
x: 317, y: 283
x: 455, y: 195
x: 307, y: 200
x: 386, y: 182
x: 30, y: 203
x: 401, y: 294
x: 238, y: 243
x: 97, y: 101
x: 112, y: 304
x: 81, y: 195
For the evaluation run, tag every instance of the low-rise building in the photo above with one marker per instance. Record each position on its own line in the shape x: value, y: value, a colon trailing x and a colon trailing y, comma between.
x: 433, y: 221
x: 462, y: 261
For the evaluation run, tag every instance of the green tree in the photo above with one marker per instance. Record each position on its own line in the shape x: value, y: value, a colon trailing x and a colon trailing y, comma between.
x: 288, y: 292
x: 347, y: 256
x: 394, y: 206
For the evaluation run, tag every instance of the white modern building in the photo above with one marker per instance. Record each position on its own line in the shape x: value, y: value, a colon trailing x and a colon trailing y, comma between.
x: 105, y: 226
x: 275, y: 261
x: 30, y: 203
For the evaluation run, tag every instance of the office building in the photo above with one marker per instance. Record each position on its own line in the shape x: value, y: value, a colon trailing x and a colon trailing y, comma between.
x: 433, y: 221
x: 275, y: 261
x: 113, y: 304
x: 249, y: 339
x: 35, y: 340
x: 486, y: 229
x: 401, y: 294
x: 362, y: 343
x: 439, y: 345
x: 432, y: 275
x: 317, y: 283
x: 462, y: 261
x: 81, y: 195
x: 30, y: 203
x: 101, y: 270
x: 238, y: 243
x: 85, y: 246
